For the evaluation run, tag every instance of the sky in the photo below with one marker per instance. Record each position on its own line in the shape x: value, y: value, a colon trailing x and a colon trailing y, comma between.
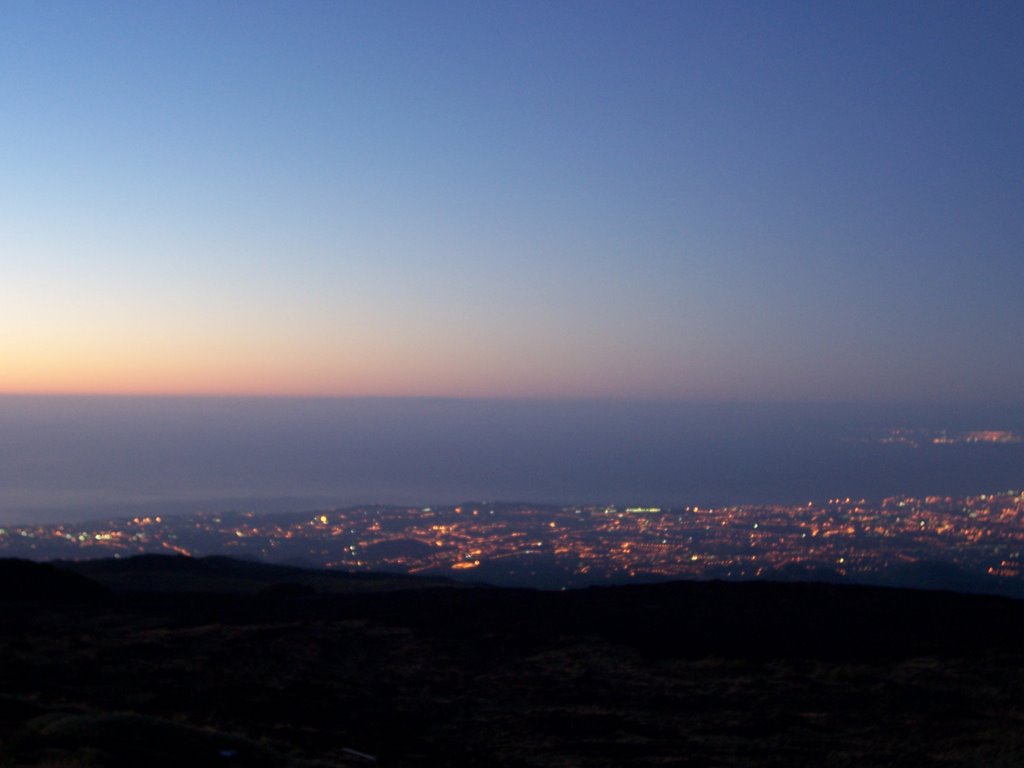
x: 738, y: 201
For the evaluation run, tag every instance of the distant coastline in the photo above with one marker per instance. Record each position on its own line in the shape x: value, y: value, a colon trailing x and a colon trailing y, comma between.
x: 968, y: 543
x: 66, y: 458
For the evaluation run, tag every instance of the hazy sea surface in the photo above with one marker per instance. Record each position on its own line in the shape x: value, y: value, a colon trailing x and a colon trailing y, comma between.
x: 87, y: 457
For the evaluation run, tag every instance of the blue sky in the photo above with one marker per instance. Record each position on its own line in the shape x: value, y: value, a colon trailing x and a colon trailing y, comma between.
x: 779, y: 201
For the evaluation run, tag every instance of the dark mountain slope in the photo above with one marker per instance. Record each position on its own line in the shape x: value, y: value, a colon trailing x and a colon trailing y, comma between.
x: 218, y: 574
x: 24, y: 580
x: 709, y: 674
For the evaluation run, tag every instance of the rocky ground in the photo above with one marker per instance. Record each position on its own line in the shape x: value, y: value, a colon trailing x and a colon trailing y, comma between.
x: 282, y: 669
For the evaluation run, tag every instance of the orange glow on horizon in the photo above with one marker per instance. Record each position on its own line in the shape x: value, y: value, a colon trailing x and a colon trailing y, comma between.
x: 270, y: 375
x: 233, y: 362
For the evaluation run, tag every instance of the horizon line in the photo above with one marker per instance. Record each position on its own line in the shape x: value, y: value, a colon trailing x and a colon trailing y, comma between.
x: 522, y: 398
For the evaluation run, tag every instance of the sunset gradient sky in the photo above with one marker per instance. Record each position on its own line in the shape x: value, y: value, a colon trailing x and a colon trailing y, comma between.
x: 683, y: 200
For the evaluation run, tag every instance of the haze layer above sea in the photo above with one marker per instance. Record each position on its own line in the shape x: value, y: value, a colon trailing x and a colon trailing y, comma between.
x: 68, y: 458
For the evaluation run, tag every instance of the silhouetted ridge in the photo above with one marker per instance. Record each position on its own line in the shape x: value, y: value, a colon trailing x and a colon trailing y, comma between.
x: 674, y: 619
x: 220, y: 574
x: 277, y: 671
x: 25, y: 580
x: 214, y: 564
x: 772, y: 619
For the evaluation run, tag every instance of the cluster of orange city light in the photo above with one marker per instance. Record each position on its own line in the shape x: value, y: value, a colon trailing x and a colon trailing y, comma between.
x: 915, y: 438
x: 983, y: 534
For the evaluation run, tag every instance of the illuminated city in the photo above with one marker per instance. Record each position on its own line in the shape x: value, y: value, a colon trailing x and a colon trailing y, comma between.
x: 539, y: 545
x: 915, y: 438
x: 517, y: 383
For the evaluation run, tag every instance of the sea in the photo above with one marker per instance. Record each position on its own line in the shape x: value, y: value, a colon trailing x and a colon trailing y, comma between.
x: 75, y: 458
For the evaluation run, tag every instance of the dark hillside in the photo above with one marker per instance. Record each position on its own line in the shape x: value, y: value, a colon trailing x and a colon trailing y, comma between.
x: 23, y: 580
x: 225, y: 575
x: 708, y: 674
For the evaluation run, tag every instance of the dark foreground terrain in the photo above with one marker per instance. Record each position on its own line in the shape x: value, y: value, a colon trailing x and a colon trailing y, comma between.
x: 174, y: 662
